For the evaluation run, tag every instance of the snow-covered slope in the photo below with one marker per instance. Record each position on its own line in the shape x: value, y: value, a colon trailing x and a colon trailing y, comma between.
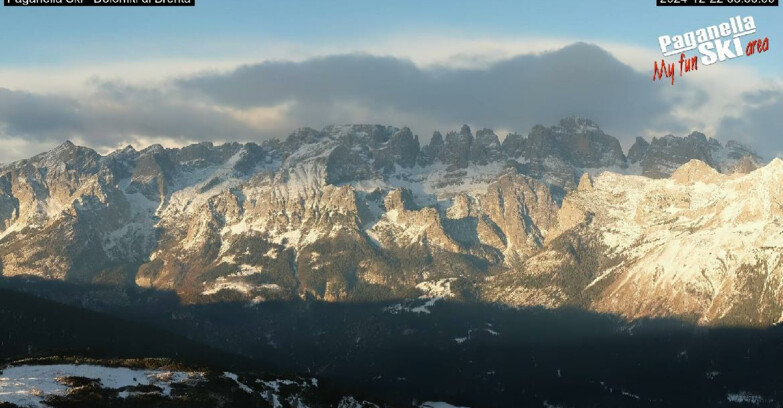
x: 700, y: 243
x: 122, y: 383
x: 30, y: 385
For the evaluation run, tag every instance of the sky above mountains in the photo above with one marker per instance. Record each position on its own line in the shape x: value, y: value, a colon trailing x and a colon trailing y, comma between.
x: 107, y: 77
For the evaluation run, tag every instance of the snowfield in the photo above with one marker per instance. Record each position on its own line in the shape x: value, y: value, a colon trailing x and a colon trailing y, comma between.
x: 30, y: 385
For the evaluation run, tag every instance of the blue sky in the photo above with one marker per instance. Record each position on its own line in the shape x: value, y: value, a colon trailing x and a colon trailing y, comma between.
x: 224, y: 28
x: 106, y: 77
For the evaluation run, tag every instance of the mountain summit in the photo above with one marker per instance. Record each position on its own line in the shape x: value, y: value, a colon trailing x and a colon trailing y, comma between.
x: 365, y: 212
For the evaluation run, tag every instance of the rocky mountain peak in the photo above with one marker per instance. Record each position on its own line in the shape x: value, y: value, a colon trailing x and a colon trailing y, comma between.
x: 737, y: 150
x: 457, y: 147
x: 64, y: 146
x: 433, y: 150
x: 745, y: 165
x: 585, y: 182
x: 695, y: 171
x: 465, y: 132
x: 514, y: 145
x: 487, y: 137
x: 125, y: 151
x: 404, y: 147
x: 437, y: 140
x: 70, y: 157
x: 487, y: 148
x: 542, y: 220
x: 664, y: 155
x: 776, y: 165
x: 638, y: 150
x: 400, y: 199
x: 577, y: 141
x: 577, y: 125
x: 153, y: 149
x: 301, y: 137
x: 698, y: 137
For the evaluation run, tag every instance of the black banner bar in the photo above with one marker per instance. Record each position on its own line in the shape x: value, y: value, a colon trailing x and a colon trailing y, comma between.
x: 99, y: 3
x: 717, y: 3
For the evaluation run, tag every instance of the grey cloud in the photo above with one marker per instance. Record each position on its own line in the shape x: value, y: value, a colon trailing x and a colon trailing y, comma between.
x: 581, y: 79
x: 24, y: 113
x: 759, y: 123
x: 150, y: 112
x: 115, y: 113
x: 513, y: 94
x: 763, y: 96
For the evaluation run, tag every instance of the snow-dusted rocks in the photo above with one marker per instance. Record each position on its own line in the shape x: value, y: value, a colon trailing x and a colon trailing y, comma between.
x: 363, y: 212
x: 701, y: 244
x: 664, y: 155
x: 30, y: 386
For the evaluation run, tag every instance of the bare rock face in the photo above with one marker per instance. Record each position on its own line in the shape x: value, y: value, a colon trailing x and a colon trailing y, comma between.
x: 401, y: 149
x: 431, y: 152
x: 362, y: 212
x: 669, y: 152
x: 662, y: 156
x: 695, y: 171
x: 560, y: 154
x: 403, y: 225
x: 638, y: 150
x: 514, y: 145
x: 457, y: 149
x: 585, y: 183
x: 577, y: 141
x: 486, y: 148
x: 523, y: 209
x: 744, y: 165
x: 463, y: 206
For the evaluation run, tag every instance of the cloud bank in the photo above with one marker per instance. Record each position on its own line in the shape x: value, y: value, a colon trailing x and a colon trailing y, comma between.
x: 270, y: 99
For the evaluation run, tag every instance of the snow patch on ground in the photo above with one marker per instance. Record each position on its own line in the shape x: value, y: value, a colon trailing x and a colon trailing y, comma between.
x: 743, y: 397
x: 29, y: 385
x: 433, y: 291
x: 436, y: 289
x: 241, y: 385
x: 238, y: 286
x: 241, y: 287
x: 425, y: 308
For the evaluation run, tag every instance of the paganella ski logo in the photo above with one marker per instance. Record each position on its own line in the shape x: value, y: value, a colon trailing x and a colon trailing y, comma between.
x: 713, y: 44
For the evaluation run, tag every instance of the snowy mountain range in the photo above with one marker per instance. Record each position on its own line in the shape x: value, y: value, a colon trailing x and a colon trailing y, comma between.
x: 679, y: 227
